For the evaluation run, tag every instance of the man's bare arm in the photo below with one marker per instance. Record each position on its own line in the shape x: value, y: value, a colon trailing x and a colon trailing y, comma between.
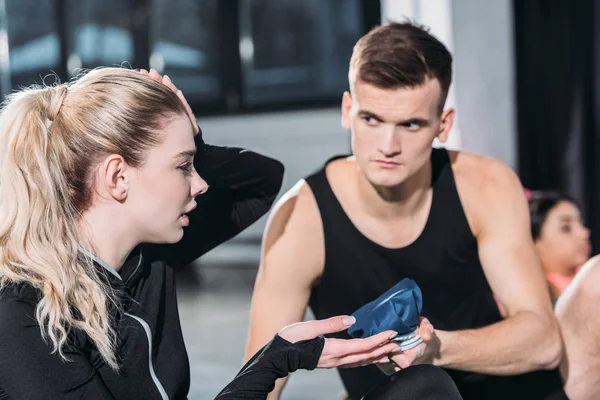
x: 528, y: 339
x: 292, y: 260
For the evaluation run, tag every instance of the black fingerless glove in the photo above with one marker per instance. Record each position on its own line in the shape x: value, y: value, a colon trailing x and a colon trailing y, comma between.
x: 275, y: 360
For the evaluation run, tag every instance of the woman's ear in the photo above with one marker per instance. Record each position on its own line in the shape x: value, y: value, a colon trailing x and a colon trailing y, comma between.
x: 113, y: 178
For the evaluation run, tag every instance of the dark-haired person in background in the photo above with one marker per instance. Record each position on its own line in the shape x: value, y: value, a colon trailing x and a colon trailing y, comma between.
x: 562, y: 240
x: 456, y: 223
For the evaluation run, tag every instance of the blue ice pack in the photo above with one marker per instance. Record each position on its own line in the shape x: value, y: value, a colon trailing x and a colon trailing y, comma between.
x: 398, y: 309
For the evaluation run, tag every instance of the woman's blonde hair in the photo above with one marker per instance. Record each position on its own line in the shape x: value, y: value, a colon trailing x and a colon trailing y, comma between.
x: 51, y: 139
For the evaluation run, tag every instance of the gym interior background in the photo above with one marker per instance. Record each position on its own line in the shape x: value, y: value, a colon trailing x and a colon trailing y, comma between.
x: 268, y: 75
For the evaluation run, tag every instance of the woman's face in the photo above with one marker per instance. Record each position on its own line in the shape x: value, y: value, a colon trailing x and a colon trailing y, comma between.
x: 564, y: 240
x: 165, y: 186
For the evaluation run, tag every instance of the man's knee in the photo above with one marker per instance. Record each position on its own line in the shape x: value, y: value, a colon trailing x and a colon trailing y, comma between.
x: 417, y: 382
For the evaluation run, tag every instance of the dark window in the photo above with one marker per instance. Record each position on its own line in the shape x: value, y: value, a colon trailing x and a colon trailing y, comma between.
x: 99, y: 33
x: 184, y: 44
x: 225, y: 55
x: 297, y: 50
x: 33, y: 42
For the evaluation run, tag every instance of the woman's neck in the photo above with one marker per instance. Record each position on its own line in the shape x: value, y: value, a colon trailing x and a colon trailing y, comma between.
x: 109, y: 237
x: 561, y: 270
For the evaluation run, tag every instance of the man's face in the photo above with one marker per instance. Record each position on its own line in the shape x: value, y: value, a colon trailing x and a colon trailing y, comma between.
x: 393, y: 129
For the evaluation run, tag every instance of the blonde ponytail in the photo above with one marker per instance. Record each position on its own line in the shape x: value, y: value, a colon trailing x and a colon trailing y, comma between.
x: 50, y: 138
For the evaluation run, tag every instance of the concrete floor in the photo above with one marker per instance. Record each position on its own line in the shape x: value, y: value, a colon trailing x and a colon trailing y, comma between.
x: 214, y: 296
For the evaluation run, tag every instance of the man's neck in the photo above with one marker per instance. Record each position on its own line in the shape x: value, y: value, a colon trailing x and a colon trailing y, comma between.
x: 399, y: 201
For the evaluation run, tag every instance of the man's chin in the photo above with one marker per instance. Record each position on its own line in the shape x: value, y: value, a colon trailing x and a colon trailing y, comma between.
x: 387, y: 182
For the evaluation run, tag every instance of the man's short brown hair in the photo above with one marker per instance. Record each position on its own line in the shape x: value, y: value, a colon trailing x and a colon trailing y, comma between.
x: 399, y: 55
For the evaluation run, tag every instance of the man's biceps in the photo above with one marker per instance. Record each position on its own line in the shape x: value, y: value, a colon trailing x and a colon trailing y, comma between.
x: 271, y: 313
x: 503, y: 242
x: 498, y: 265
x: 280, y: 273
x: 289, y: 262
x: 280, y: 287
x: 492, y: 250
x: 504, y: 219
x: 519, y: 301
x: 513, y: 286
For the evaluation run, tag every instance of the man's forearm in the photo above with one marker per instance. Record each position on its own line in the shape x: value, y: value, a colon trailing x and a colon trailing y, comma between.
x: 518, y: 344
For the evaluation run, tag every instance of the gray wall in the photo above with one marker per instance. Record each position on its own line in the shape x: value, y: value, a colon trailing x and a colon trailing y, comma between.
x: 301, y: 140
x: 479, y: 33
x: 485, y: 77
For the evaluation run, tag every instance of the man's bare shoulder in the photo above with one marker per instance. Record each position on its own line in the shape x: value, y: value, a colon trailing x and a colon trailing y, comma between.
x: 484, y: 176
x: 295, y: 213
x: 476, y: 169
x: 298, y: 200
x: 485, y: 185
x: 337, y: 168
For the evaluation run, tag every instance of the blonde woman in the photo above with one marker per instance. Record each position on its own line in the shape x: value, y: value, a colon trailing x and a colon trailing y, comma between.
x: 89, y: 172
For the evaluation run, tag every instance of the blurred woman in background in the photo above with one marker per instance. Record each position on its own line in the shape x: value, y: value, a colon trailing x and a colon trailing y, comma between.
x: 562, y: 240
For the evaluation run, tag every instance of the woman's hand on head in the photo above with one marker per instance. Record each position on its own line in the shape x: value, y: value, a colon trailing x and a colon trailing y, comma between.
x: 165, y: 80
x: 345, y: 353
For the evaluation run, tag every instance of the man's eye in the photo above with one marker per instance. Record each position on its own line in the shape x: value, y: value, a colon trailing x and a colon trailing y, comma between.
x: 412, y: 126
x: 370, y: 120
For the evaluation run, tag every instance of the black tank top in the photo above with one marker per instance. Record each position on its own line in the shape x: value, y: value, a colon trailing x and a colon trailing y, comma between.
x: 443, y: 260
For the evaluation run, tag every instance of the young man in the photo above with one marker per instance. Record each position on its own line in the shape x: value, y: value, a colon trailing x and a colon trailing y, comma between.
x: 455, y: 223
